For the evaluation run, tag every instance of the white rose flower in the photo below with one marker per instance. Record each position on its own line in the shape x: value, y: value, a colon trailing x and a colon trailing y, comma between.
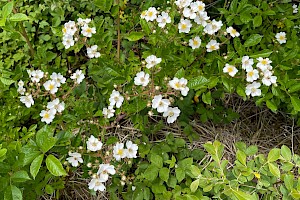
x: 184, y: 26
x: 230, y: 69
x: 27, y: 100
x: 131, y: 149
x: 50, y: 86
x: 108, y: 112
x: 58, y: 78
x: 252, y: 75
x: 152, y: 61
x: 253, y: 89
x: 198, y: 6
x: 78, y: 76
x: 104, y: 170
x: 264, y: 64
x: 160, y: 104
x: 56, y: 105
x: 163, y: 19
x: 36, y: 75
x: 232, y: 32
x: 87, y: 31
x: 142, y: 79
x: 74, y: 159
x: 151, y: 14
x: 281, y: 37
x: 195, y: 42
x: 247, y: 63
x: 68, y: 41
x: 268, y: 79
x: 92, y: 52
x: 172, y: 114
x: 212, y: 46
x: 189, y: 13
x: 201, y: 18
x: 93, y: 144
x: 96, y: 184
x: 116, y: 99
x: 119, y: 151
x: 47, y: 115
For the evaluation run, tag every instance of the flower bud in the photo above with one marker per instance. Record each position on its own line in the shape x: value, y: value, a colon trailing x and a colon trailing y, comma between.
x: 150, y: 113
x: 123, y: 178
x: 122, y: 183
x: 89, y: 165
x: 80, y: 147
x: 157, y: 88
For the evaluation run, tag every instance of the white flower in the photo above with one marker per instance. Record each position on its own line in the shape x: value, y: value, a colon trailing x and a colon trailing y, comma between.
x: 184, y: 26
x: 213, y: 27
x: 281, y: 37
x: 201, y: 18
x: 83, y: 22
x: 142, y: 79
x: 232, y: 32
x: 56, y: 105
x: 252, y: 75
x: 264, y: 63
x: 160, y: 104
x: 93, y: 144
x: 212, y: 46
x: 50, y: 86
x: 172, y: 114
x: 131, y: 149
x: 119, y: 151
x: 253, y: 89
x: 21, y: 90
x: 92, y: 52
x: 268, y: 79
x: 152, y: 61
x: 247, y: 63
x: 295, y: 9
x: 70, y: 28
x: 104, y: 170
x: 151, y: 14
x: 47, y: 115
x: 108, y: 112
x: 144, y: 14
x: 27, y: 100
x: 189, y: 13
x: 198, y: 6
x: 78, y: 76
x: 87, y: 31
x: 96, y: 184
x: 36, y: 75
x: 175, y: 83
x: 230, y: 69
x: 21, y: 83
x: 58, y: 78
x: 195, y: 42
x: 179, y: 84
x: 183, y: 3
x: 116, y: 99
x: 163, y: 19
x: 74, y: 159
x: 68, y: 41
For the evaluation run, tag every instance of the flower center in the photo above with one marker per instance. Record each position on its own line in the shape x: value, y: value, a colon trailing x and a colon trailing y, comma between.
x: 230, y: 69
x: 251, y: 73
x: 264, y: 62
x: 120, y: 152
x: 195, y: 42
x: 150, y: 14
x: 47, y: 116
x: 212, y: 47
x: 51, y: 86
x: 183, y: 26
x: 281, y: 37
x: 171, y: 114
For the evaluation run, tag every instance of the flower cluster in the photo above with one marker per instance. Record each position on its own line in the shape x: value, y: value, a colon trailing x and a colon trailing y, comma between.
x: 51, y: 86
x: 295, y: 9
x: 152, y: 14
x: 71, y: 35
x: 104, y: 169
x: 115, y: 99
x: 263, y: 71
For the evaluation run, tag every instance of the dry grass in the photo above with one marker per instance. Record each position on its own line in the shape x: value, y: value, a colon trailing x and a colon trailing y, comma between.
x: 256, y: 126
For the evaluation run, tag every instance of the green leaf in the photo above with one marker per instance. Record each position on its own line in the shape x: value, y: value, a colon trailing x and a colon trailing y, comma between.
x: 151, y: 172
x: 296, y: 103
x: 13, y: 193
x: 241, y: 156
x: 289, y: 181
x: 206, y: 98
x: 54, y: 166
x: 44, y: 138
x: 274, y: 155
x: 263, y: 53
x: 180, y: 73
x: 145, y: 26
x: 104, y: 5
x: 36, y: 165
x: 257, y: 21
x: 156, y: 160
x: 197, y: 82
x: 2, y: 152
x: 194, y: 185
x: 164, y: 174
x: 7, y: 9
x: 295, y: 194
x: 195, y: 170
x: 240, y: 195
x: 286, y: 153
x: 6, y: 81
x: 251, y: 150
x: 271, y: 105
x: 135, y: 36
x: 252, y: 40
x: 20, y: 176
x: 18, y: 17
x: 180, y: 174
x: 294, y: 88
x: 274, y: 169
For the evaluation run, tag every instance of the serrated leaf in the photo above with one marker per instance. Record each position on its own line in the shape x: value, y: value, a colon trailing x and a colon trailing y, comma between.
x: 294, y: 88
x: 274, y: 155
x: 151, y: 172
x: 264, y: 53
x: 13, y: 193
x: 286, y: 153
x: 104, y: 5
x: 206, y: 98
x: 54, y: 166
x: 257, y: 21
x: 7, y: 9
x: 240, y: 195
x: 180, y: 174
x: 197, y: 82
x: 36, y: 165
x: 164, y: 174
x: 45, y: 139
x: 135, y: 36
x: 271, y: 105
x: 274, y: 169
x: 20, y: 176
x: 6, y: 81
x: 252, y: 40
x: 156, y: 160
x: 194, y: 185
x: 18, y: 17
x: 296, y: 103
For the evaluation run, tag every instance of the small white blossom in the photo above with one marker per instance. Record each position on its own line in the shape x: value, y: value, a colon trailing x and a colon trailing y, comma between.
x: 27, y: 100
x: 104, y: 170
x: 119, y: 151
x: 172, y: 114
x: 36, y: 75
x: 92, y: 52
x: 69, y: 28
x: 96, y: 184
x: 160, y: 104
x: 21, y: 90
x: 68, y: 41
x: 74, y: 159
x: 47, y: 115
x: 78, y: 76
x: 151, y: 14
x: 213, y: 27
x: 230, y: 69
x: 195, y: 42
x: 189, y: 13
x: 212, y: 46
x: 252, y: 75
x: 88, y: 31
x: 58, y: 78
x: 201, y: 18
x: 264, y: 64
x: 131, y: 149
x: 268, y: 78
x: 50, y: 86
x: 116, y: 99
x: 152, y: 61
x: 93, y: 144
x: 198, y: 6
x: 21, y: 83
x: 253, y: 89
x: 108, y: 112
x: 56, y: 105
x: 142, y: 79
x: 83, y: 22
x: 183, y: 3
x: 233, y: 32
x: 184, y: 26
x: 247, y: 63
x: 179, y: 84
x: 281, y: 37
x: 163, y: 19
x: 295, y: 9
